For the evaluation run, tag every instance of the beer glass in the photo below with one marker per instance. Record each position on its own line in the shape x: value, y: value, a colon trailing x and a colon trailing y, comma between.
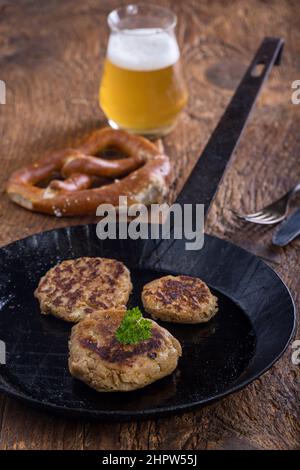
x: 142, y: 88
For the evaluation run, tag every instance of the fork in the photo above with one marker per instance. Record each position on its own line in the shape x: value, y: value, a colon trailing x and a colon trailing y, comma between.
x: 273, y: 213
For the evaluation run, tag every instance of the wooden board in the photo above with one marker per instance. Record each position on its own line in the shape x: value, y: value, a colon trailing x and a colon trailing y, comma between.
x: 51, y: 54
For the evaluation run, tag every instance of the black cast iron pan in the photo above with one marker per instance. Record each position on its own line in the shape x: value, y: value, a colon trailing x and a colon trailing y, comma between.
x: 251, y: 331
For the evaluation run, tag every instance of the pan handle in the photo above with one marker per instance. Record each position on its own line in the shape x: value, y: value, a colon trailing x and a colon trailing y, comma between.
x: 202, y: 184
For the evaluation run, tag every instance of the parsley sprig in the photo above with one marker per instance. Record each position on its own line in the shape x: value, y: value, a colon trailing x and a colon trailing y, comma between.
x: 134, y: 328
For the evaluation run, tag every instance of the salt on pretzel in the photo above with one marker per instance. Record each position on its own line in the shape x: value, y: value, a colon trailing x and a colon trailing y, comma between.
x: 90, y: 180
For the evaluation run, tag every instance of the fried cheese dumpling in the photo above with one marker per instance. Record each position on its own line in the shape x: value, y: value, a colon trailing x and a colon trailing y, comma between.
x: 75, y: 288
x: 179, y: 299
x: 107, y: 365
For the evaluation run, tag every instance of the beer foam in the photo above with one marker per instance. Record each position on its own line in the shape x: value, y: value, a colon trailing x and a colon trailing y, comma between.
x: 143, y: 49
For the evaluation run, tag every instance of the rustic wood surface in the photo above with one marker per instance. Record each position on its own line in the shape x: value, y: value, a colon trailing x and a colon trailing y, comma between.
x: 51, y: 55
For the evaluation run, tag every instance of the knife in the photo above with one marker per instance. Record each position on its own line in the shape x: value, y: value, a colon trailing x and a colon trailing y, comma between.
x: 288, y: 230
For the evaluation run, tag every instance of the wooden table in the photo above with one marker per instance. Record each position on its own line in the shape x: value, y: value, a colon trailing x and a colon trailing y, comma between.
x: 51, y: 55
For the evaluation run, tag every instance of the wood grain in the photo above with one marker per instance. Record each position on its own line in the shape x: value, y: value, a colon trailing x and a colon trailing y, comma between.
x: 51, y: 55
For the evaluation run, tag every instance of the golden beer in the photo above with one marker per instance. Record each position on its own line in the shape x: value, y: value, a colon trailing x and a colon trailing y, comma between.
x: 142, y: 100
x: 142, y: 89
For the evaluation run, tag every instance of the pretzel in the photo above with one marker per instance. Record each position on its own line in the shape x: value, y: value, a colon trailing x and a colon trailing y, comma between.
x: 89, y: 180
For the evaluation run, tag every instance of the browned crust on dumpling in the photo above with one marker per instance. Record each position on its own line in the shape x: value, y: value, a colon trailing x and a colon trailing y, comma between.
x: 180, y: 299
x: 102, y: 362
x: 75, y: 288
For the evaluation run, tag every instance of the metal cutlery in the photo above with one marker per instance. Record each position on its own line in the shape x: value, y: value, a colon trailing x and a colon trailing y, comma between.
x: 288, y: 230
x: 274, y: 212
